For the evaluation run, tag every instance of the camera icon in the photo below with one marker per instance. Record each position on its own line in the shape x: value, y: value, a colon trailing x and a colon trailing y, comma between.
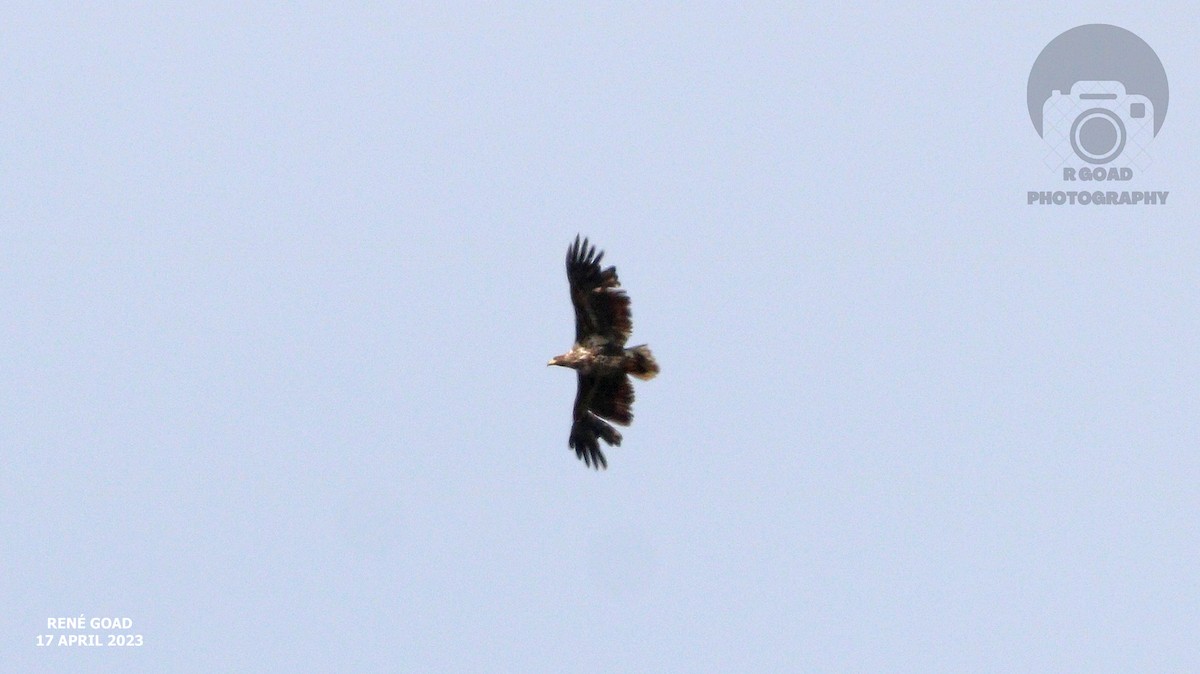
x: 1096, y: 120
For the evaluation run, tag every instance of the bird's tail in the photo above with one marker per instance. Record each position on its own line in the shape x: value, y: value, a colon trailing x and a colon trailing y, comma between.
x: 640, y: 363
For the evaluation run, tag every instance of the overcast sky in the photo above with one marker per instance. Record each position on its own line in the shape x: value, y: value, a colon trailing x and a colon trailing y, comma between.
x: 279, y: 285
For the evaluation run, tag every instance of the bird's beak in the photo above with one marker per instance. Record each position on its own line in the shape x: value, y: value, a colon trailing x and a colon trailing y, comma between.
x: 550, y: 363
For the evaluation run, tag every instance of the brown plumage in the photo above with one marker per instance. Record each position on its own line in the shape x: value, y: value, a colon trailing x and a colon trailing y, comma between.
x: 599, y: 356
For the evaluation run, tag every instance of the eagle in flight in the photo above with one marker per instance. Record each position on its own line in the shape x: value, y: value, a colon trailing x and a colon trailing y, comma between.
x: 599, y: 357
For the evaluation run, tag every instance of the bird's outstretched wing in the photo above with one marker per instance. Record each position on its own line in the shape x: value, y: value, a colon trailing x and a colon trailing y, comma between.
x: 609, y: 397
x: 601, y: 308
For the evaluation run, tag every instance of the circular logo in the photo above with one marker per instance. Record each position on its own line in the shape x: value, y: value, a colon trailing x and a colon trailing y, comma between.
x: 1090, y: 60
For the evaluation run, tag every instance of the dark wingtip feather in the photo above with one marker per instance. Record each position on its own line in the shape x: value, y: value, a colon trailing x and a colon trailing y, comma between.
x: 593, y: 458
x: 588, y: 451
x: 585, y: 440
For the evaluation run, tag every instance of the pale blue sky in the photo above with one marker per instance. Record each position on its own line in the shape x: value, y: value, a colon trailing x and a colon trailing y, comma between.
x: 279, y: 286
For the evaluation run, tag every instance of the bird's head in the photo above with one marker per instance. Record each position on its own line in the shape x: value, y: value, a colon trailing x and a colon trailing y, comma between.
x: 569, y: 359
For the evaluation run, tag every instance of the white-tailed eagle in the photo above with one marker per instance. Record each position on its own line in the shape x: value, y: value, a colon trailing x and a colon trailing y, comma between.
x: 599, y: 357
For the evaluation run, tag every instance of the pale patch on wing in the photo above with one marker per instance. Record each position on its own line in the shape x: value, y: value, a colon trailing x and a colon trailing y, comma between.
x: 596, y: 342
